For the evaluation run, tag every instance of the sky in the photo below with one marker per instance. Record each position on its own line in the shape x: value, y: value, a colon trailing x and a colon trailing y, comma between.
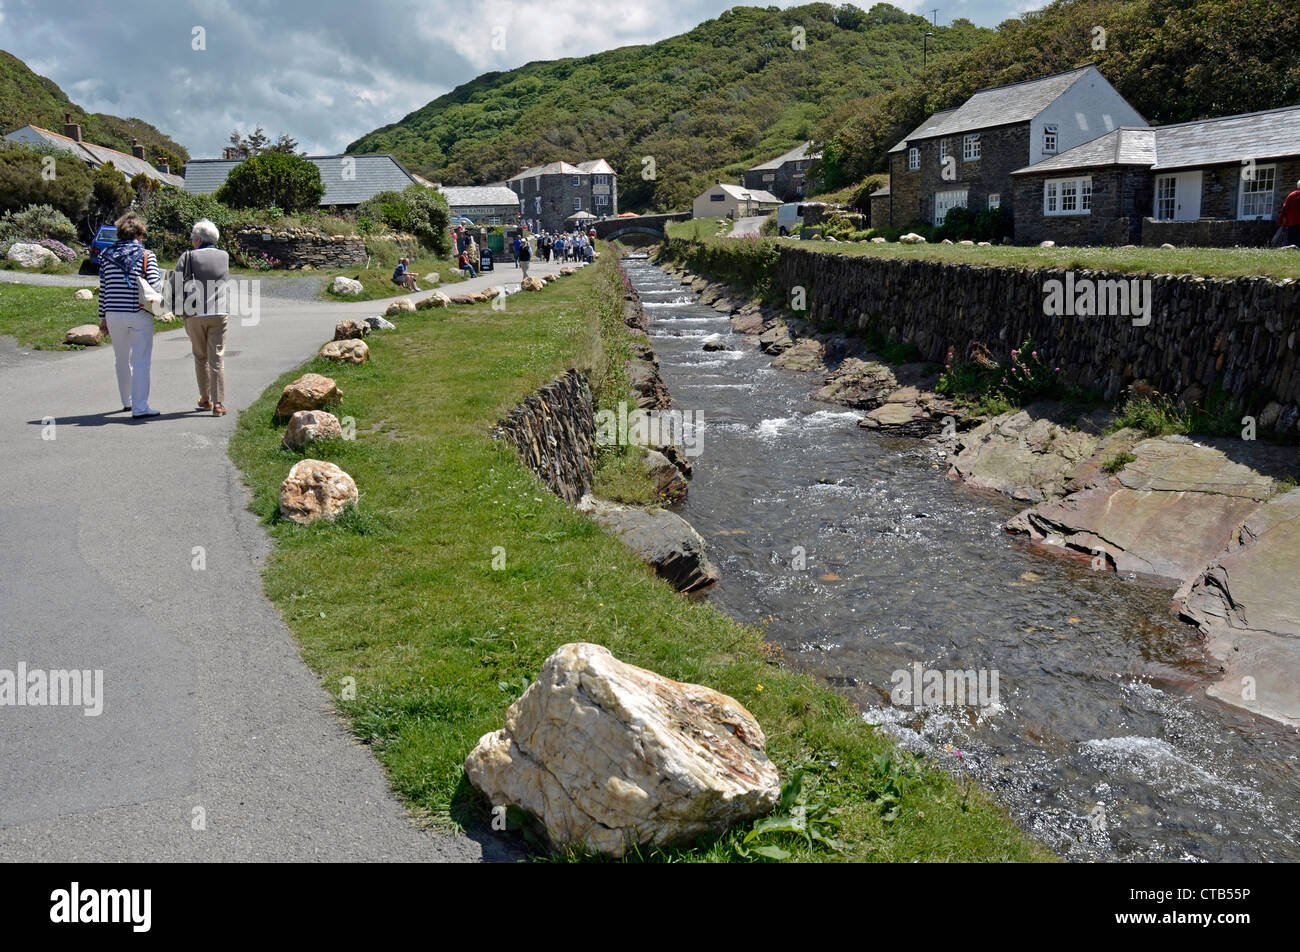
x: 329, y: 71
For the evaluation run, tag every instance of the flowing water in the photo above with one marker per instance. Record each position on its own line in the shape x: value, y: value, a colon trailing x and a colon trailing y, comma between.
x: 862, y: 559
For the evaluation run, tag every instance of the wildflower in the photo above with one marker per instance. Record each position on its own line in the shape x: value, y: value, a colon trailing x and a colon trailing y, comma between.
x: 758, y: 687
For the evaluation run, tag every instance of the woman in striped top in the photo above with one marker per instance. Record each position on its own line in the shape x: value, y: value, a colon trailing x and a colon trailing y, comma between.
x: 121, y: 316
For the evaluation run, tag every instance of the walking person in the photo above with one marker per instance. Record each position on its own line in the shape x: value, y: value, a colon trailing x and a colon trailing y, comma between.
x: 200, y: 283
x: 122, y: 317
x: 515, y: 247
x: 525, y: 256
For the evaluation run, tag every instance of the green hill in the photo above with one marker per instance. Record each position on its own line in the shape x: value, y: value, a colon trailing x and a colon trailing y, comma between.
x: 1174, y: 60
x: 706, y: 104
x: 26, y: 98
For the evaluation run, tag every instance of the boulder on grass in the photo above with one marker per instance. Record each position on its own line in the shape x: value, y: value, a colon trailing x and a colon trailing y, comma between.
x: 436, y: 299
x: 342, y: 285
x: 86, y: 335
x: 433, y: 277
x: 532, y: 284
x: 664, y: 540
x: 346, y: 351
x: 401, y: 305
x: 380, y: 324
x: 315, y: 489
x: 606, y: 755
x: 310, y: 426
x: 308, y: 392
x: 85, y: 294
x: 351, y: 330
x: 32, y: 256
x: 911, y: 238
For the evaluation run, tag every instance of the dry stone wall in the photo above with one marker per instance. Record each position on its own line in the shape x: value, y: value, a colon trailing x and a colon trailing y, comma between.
x: 1239, y: 334
x: 554, y: 431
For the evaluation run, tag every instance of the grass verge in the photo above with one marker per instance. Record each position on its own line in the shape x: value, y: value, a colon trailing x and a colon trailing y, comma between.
x: 39, y: 316
x: 401, y: 594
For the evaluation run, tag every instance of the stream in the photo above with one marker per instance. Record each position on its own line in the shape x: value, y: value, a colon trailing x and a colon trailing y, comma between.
x: 860, y: 558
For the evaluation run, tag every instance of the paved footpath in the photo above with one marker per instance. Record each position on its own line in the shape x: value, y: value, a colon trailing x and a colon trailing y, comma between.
x: 215, y: 741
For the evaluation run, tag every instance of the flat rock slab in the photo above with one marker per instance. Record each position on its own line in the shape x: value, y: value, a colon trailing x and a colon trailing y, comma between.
x: 664, y: 540
x: 806, y: 356
x: 1020, y: 456
x: 1163, y: 517
x: 1246, y: 604
x: 861, y: 384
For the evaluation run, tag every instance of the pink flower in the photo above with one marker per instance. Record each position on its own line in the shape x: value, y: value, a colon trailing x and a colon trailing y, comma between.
x: 1034, y: 354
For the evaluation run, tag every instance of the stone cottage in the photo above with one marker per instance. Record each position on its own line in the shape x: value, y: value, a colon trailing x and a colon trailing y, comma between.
x: 1209, y: 182
x: 965, y: 157
x: 786, y: 176
x: 551, y: 194
x: 348, y: 179
x: 93, y: 155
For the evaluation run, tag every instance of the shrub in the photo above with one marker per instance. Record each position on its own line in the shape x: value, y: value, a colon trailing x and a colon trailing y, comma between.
x: 278, y: 179
x: 110, y: 195
x: 59, y: 248
x: 23, y: 181
x: 38, y: 221
x: 171, y: 215
x: 417, y: 210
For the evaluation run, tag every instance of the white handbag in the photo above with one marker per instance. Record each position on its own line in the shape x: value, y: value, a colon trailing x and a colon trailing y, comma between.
x: 151, y: 298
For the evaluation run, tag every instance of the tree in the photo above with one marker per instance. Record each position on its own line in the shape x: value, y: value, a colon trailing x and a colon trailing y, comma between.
x: 417, y: 210
x: 258, y: 142
x: 43, y: 177
x: 144, y: 187
x: 110, y: 196
x: 275, y: 178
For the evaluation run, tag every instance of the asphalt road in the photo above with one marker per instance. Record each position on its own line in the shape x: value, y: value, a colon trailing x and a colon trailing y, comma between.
x: 746, y: 226
x: 215, y: 741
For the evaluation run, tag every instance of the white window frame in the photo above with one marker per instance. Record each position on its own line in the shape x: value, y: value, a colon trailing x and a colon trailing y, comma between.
x: 577, y: 181
x: 970, y: 147
x: 537, y: 205
x: 943, y: 151
x: 995, y: 200
x: 913, y: 159
x: 1067, y: 196
x: 1051, y: 138
x: 577, y: 203
x: 964, y: 203
x: 1170, y: 198
x: 601, y: 199
x: 1248, y: 192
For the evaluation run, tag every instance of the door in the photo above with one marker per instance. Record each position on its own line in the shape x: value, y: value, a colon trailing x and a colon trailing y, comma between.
x: 1178, y: 196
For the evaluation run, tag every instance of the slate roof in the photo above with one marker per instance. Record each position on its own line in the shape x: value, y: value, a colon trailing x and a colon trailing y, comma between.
x: 923, y: 131
x: 593, y: 167
x: 799, y: 153
x: 1000, y: 105
x: 1228, y: 139
x: 95, y: 155
x: 471, y: 195
x: 746, y: 194
x: 370, y: 175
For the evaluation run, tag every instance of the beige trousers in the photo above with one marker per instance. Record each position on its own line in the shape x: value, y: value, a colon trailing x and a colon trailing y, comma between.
x: 208, y: 343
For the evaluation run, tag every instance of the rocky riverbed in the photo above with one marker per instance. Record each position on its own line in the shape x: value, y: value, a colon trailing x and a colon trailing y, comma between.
x: 1210, y: 519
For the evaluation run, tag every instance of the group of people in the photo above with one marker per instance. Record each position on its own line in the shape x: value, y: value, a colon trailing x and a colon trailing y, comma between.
x: 567, y: 246
x: 199, y: 294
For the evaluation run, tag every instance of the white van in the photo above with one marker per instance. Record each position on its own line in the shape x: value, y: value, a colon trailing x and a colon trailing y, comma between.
x: 789, y: 218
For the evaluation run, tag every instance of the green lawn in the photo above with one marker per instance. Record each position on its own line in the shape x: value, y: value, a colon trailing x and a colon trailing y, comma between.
x: 378, y: 278
x: 400, y: 593
x: 1210, y: 262
x: 40, y: 316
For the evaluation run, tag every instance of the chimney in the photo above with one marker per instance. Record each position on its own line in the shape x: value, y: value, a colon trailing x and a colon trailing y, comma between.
x: 163, y: 167
x: 71, y: 129
x: 137, y: 149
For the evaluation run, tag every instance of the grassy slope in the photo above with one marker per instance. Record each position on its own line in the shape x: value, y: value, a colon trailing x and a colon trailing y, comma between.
x: 401, y: 595
x: 706, y: 104
x: 1211, y: 262
x: 26, y: 98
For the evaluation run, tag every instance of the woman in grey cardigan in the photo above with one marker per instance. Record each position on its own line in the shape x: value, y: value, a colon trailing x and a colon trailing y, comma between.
x: 200, y: 284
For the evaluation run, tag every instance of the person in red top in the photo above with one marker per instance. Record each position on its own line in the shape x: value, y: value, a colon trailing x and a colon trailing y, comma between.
x: 1290, y: 217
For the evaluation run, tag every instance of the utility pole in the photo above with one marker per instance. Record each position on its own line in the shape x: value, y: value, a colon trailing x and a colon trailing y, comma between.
x: 934, y: 16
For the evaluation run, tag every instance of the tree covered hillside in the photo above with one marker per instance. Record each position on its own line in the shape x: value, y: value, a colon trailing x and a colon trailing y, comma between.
x: 26, y: 98
x: 1174, y: 60
x: 705, y: 105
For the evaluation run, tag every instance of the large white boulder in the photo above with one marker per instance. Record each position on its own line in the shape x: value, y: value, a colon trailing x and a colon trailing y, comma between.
x: 911, y: 238
x: 342, y: 285
x: 607, y: 755
x: 32, y: 256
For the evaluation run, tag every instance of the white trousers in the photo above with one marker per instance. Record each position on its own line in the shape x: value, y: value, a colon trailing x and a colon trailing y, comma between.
x: 132, y: 333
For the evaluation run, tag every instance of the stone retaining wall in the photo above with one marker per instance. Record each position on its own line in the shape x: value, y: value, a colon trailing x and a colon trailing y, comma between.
x: 554, y: 431
x: 1208, y: 232
x: 1237, y: 334
x: 298, y: 247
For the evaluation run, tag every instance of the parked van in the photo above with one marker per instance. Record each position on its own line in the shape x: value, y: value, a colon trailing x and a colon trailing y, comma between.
x: 789, y: 218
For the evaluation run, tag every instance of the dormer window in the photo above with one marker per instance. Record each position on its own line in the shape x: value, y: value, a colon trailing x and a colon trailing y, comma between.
x: 1050, y: 134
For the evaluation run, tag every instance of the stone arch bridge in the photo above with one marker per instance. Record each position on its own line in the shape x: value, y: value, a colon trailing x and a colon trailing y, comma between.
x: 612, y: 229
